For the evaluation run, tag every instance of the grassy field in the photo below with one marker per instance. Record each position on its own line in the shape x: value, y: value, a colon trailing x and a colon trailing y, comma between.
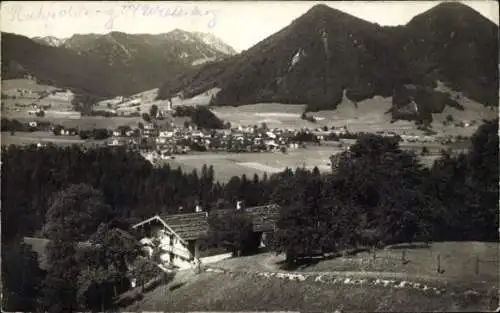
x: 242, y: 289
x: 226, y: 165
x: 44, y: 137
x: 457, y: 262
x: 246, y: 292
x: 365, y: 116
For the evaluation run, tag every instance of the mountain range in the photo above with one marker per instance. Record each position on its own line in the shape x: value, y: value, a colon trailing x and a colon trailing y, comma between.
x: 111, y: 64
x: 321, y: 58
x: 326, y: 54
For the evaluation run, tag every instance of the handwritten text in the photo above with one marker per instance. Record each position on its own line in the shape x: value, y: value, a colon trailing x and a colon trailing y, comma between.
x: 46, y: 13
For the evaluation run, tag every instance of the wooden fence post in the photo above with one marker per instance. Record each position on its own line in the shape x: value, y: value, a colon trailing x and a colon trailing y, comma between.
x: 439, y: 263
x: 477, y: 265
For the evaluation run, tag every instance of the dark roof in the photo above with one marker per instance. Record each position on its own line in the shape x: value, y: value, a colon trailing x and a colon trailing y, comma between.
x: 188, y: 226
x: 264, y: 217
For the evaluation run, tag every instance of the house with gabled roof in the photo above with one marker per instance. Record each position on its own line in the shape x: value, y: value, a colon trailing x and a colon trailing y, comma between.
x: 178, y: 237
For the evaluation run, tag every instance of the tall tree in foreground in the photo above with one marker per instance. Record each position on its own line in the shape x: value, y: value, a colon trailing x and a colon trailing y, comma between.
x: 483, y: 157
x: 71, y: 218
x: 304, y: 224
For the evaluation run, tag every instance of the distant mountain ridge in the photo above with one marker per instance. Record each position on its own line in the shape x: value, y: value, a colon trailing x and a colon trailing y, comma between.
x: 326, y: 52
x: 136, y: 62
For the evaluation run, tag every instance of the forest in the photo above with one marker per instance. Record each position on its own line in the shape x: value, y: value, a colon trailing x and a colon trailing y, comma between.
x: 377, y: 193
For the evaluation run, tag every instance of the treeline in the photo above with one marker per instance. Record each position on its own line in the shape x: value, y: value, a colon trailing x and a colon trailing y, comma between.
x: 13, y: 125
x: 201, y: 116
x: 129, y: 183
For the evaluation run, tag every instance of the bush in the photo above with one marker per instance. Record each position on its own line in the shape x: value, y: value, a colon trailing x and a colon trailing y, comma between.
x: 100, y: 133
x: 13, y: 125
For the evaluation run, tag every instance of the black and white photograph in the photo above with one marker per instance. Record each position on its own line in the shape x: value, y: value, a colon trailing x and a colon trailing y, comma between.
x: 250, y: 156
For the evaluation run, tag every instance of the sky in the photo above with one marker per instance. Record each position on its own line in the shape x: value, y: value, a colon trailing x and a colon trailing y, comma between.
x: 239, y: 24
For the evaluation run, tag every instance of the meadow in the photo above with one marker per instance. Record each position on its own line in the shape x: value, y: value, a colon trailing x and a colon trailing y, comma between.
x: 462, y: 262
x: 240, y: 287
x: 227, y: 165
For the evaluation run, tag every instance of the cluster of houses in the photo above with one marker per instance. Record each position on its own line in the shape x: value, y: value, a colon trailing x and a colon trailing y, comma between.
x: 172, y: 140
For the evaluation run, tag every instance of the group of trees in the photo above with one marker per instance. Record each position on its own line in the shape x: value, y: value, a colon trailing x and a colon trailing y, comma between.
x: 13, y: 125
x: 90, y: 256
x: 201, y: 116
x: 381, y: 194
x: 378, y: 193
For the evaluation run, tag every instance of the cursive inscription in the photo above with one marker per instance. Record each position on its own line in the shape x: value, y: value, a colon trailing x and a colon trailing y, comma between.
x: 20, y: 12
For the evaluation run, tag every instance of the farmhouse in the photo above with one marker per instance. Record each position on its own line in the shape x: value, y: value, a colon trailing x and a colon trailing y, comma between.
x: 178, y: 237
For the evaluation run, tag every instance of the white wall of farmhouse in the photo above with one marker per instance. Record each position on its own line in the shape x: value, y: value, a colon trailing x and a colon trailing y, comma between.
x: 173, y: 250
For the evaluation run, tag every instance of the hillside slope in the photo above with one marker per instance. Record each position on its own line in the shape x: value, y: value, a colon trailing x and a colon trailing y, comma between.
x: 135, y: 62
x: 326, y: 52
x: 245, y: 292
x: 60, y: 67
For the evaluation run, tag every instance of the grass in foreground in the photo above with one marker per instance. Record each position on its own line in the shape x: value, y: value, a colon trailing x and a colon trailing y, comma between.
x: 457, y: 262
x: 231, y: 292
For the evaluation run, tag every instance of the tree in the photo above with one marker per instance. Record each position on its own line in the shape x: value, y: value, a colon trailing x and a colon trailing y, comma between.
x: 72, y: 217
x: 232, y: 231
x: 95, y: 287
x: 153, y: 111
x: 75, y: 213
x: 304, y: 223
x: 146, y: 117
x: 21, y: 278
x: 425, y: 151
x: 145, y: 270
x: 115, y: 246
x: 380, y: 180
x: 204, y: 118
x: 483, y: 156
x: 60, y: 286
x: 409, y: 226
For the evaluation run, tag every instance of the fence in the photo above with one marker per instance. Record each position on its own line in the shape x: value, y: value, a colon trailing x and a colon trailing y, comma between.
x: 429, y: 261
